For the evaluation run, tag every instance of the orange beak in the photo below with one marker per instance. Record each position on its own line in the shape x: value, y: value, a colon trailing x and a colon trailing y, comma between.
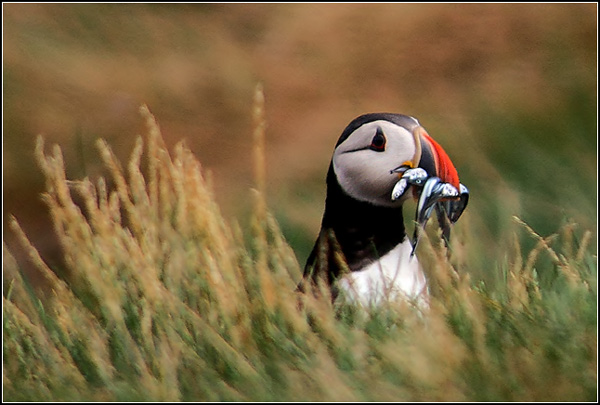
x: 442, y: 165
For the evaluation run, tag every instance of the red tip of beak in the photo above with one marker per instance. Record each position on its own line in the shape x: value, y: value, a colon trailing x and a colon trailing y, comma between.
x: 445, y: 168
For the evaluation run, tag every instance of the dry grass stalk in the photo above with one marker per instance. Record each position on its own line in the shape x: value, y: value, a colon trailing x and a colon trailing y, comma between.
x: 163, y: 300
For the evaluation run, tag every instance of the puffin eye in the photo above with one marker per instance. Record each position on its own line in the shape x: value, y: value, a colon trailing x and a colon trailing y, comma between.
x: 378, y: 142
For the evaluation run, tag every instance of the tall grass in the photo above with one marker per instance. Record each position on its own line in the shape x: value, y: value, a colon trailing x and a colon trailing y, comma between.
x: 163, y: 300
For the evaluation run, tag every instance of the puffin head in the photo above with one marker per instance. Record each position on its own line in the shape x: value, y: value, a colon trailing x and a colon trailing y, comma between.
x: 376, y: 150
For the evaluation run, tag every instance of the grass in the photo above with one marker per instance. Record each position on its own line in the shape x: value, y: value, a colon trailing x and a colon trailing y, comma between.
x: 162, y: 299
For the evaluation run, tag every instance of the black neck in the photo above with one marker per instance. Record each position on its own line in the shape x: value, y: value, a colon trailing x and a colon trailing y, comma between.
x: 364, y: 231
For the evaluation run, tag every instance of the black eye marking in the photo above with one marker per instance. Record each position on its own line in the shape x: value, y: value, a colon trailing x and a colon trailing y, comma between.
x: 378, y: 141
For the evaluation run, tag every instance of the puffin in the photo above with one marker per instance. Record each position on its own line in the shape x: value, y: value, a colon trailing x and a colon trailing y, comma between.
x: 363, y: 252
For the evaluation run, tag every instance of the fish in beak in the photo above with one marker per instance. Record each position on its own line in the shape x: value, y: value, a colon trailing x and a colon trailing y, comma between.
x: 435, y: 184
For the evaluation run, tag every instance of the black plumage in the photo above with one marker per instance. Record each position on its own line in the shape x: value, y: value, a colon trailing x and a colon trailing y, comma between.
x: 354, y: 233
x: 362, y: 242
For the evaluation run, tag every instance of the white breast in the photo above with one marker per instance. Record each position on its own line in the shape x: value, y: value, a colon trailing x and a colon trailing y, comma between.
x: 396, y: 275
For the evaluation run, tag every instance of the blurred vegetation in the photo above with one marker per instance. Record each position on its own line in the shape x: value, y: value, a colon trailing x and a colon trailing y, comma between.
x: 166, y: 302
x: 509, y: 90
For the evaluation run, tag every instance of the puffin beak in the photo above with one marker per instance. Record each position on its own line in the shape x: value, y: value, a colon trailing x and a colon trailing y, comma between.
x: 441, y: 190
x: 436, y: 186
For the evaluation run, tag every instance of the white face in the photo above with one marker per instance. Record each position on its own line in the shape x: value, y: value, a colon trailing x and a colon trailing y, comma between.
x: 364, y: 173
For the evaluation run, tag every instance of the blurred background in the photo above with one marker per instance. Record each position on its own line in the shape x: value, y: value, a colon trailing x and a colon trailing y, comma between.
x: 509, y: 90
